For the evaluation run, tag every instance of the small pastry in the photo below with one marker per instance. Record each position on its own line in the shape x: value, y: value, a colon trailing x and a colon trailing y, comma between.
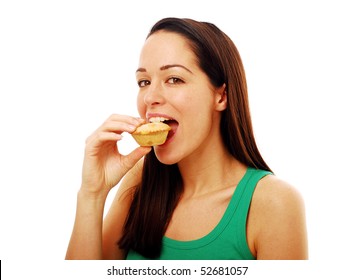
x: 151, y: 134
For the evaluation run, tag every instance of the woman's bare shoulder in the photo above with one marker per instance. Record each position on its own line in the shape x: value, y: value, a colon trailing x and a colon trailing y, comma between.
x: 278, y: 213
x: 276, y: 193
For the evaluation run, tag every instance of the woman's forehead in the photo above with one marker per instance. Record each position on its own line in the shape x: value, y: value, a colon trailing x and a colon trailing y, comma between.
x: 164, y: 45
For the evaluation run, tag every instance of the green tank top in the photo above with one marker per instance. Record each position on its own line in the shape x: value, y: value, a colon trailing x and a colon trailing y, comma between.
x: 227, y: 241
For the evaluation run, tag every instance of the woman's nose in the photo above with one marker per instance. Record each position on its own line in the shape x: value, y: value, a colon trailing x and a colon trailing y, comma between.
x: 154, y: 96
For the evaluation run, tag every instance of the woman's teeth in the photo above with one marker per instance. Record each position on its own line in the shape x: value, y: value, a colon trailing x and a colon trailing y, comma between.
x: 158, y: 119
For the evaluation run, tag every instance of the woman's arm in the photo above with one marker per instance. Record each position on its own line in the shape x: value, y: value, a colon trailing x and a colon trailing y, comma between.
x: 103, y: 168
x: 85, y: 242
x: 114, y: 221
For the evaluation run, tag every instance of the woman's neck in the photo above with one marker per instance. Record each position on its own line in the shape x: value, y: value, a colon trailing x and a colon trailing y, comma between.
x: 209, y: 169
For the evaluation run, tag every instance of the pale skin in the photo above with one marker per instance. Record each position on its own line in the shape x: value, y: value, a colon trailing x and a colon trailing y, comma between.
x: 171, y: 83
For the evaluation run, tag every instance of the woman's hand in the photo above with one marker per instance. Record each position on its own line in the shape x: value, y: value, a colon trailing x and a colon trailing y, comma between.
x: 103, y: 165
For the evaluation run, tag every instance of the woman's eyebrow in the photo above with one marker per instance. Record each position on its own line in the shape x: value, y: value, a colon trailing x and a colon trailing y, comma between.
x: 166, y: 67
x: 141, y: 70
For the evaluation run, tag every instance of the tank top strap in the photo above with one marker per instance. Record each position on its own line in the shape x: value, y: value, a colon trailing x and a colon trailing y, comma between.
x: 242, y: 201
x: 246, y: 187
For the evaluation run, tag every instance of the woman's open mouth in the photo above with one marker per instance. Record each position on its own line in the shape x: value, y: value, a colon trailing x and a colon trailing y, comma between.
x: 169, y: 121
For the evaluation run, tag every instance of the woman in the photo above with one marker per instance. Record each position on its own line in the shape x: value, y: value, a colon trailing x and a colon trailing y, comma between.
x: 204, y: 194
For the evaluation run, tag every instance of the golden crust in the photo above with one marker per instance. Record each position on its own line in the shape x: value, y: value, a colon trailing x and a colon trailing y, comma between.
x: 151, y: 134
x: 150, y: 128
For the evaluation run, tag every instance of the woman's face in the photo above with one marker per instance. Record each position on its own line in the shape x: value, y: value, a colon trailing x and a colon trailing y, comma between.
x: 174, y: 89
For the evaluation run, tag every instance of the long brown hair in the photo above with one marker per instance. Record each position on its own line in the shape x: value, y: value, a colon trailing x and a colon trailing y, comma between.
x: 156, y: 198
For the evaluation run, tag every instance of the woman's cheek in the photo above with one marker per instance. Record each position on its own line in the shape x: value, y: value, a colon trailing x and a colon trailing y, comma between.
x: 141, y: 107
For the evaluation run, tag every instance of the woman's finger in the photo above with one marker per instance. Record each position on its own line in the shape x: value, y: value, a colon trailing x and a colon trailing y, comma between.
x: 121, y: 123
x: 131, y: 159
x: 118, y: 126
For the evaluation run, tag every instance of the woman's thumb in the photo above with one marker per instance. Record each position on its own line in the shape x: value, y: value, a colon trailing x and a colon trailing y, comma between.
x: 132, y: 158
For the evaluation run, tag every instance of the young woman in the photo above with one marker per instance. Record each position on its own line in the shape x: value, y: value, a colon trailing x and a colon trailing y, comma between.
x: 204, y: 194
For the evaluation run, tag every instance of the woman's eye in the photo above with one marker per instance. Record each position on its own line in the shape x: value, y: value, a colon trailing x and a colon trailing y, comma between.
x: 143, y: 83
x: 174, y: 80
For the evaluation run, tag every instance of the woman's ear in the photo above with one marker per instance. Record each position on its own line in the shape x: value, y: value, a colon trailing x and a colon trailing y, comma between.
x: 221, y: 98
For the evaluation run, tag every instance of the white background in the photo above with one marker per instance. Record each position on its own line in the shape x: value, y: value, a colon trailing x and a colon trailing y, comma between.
x: 65, y: 66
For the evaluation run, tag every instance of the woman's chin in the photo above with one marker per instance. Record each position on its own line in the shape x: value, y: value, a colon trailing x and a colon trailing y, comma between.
x: 164, y: 156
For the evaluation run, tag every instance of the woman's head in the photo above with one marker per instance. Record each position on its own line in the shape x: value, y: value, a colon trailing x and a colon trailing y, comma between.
x: 173, y: 86
x: 204, y: 46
